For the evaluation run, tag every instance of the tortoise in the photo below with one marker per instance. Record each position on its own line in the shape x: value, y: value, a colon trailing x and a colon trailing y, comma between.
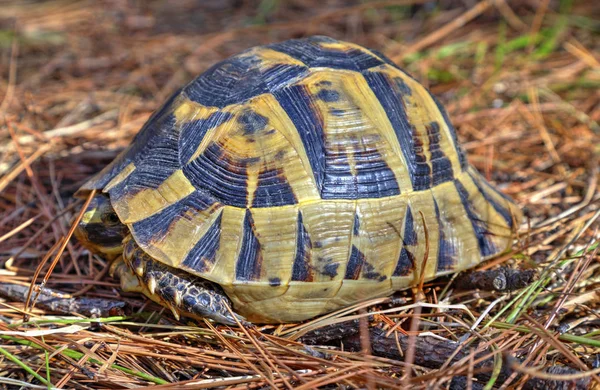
x: 289, y: 181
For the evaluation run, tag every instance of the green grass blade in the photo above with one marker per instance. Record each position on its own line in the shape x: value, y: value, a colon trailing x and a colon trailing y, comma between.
x: 550, y: 43
x: 24, y: 366
x: 47, y: 361
x: 495, y: 371
x: 78, y: 355
x: 582, y: 340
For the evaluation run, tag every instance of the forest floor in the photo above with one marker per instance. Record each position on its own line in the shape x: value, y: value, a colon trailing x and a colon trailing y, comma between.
x: 520, y: 80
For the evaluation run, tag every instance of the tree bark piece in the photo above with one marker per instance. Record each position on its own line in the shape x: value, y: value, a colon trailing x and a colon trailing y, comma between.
x: 57, y: 301
x: 500, y: 279
x: 330, y: 333
x: 548, y: 384
x: 432, y: 352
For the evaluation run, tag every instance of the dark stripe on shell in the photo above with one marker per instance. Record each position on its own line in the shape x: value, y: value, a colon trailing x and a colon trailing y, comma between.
x: 486, y: 246
x: 384, y: 58
x: 420, y: 157
x: 401, y: 86
x: 156, y: 226
x: 328, y: 95
x: 249, y: 262
x: 273, y: 189
x: 441, y: 167
x: 202, y: 256
x: 159, y: 123
x: 225, y: 178
x: 231, y: 81
x: 369, y: 273
x: 298, y: 104
x: 462, y: 158
x: 193, y: 132
x: 314, y: 55
x: 252, y: 121
x: 337, y: 112
x: 281, y: 75
x: 410, y: 234
x: 485, y: 188
x: 406, y: 263
x: 356, y: 226
x: 355, y: 264
x: 156, y: 157
x: 446, y: 250
x: 338, y: 181
x: 406, y: 260
x: 388, y: 61
x: 390, y: 96
x: 301, y: 270
x: 331, y: 269
x: 148, y: 131
x: 240, y: 78
x: 373, y: 179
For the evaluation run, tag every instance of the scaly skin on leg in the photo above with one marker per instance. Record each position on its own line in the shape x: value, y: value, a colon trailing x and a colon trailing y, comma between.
x: 183, y: 293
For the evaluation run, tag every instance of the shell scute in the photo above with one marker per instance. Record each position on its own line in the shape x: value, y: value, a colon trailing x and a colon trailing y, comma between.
x: 243, y: 77
x: 194, y: 131
x: 325, y: 52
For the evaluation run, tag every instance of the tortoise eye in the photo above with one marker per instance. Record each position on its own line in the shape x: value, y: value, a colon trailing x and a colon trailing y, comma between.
x: 111, y: 218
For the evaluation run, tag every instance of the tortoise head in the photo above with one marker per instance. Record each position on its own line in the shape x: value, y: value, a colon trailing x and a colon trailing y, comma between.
x: 100, y: 229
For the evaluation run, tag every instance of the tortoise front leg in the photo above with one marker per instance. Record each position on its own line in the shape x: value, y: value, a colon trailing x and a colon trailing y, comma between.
x: 183, y: 293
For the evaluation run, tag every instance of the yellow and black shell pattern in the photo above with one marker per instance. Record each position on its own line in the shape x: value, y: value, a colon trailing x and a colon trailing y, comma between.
x: 305, y: 176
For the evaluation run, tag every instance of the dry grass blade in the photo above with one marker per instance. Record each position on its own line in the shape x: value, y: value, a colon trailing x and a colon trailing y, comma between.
x: 442, y: 32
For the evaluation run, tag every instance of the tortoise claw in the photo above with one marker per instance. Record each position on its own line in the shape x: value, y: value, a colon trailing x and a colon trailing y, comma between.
x: 182, y: 293
x: 175, y: 312
x: 151, y: 284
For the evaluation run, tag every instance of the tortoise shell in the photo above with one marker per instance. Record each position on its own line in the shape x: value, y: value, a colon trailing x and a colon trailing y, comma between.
x: 305, y: 176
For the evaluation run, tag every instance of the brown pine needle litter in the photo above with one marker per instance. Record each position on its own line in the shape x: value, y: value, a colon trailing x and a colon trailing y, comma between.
x: 521, y: 80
